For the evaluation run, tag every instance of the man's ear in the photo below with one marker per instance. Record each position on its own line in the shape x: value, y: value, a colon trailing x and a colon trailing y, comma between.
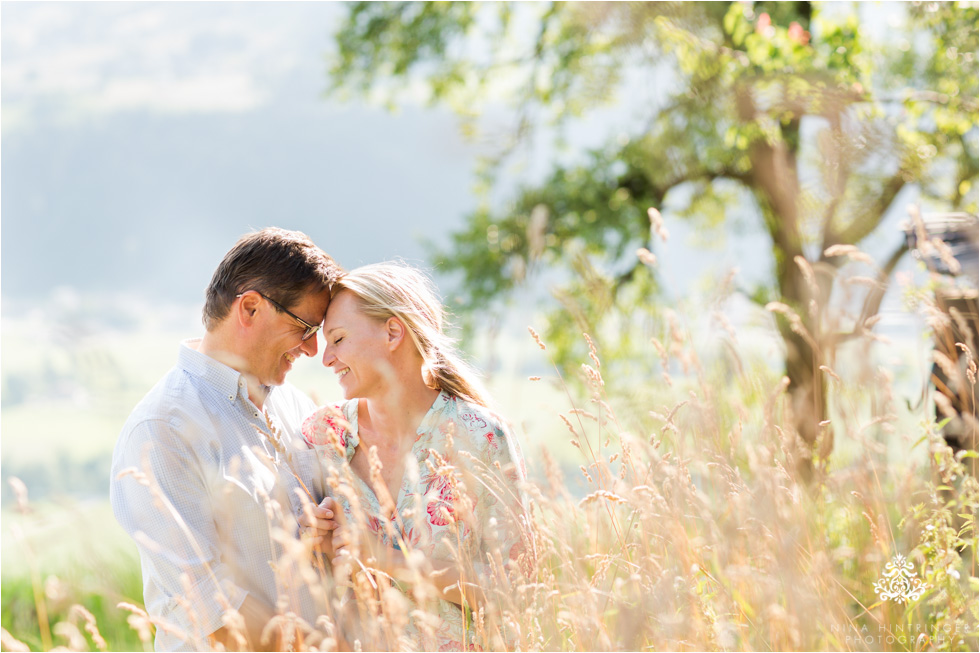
x: 247, y: 307
x: 396, y: 332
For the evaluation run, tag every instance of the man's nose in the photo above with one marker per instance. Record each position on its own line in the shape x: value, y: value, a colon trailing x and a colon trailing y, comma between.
x: 308, y: 346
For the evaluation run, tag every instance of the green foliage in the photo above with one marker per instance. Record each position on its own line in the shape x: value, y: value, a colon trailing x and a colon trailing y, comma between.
x: 424, y: 30
x: 599, y: 209
x: 947, y: 521
x: 20, y: 616
x: 942, y: 106
x: 96, y: 567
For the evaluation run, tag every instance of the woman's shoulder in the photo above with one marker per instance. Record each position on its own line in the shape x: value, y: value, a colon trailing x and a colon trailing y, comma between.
x: 485, y: 433
x: 478, y: 425
x: 475, y: 416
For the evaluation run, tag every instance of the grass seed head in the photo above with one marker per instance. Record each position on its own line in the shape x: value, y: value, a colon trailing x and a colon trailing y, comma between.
x: 537, y: 338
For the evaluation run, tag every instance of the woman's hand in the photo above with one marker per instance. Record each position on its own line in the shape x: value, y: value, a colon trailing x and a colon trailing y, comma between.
x: 320, y: 523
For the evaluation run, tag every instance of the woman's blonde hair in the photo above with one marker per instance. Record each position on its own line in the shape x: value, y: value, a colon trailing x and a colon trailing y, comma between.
x: 398, y: 290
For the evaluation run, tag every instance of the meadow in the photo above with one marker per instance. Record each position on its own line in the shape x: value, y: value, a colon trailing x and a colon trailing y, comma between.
x: 667, y: 513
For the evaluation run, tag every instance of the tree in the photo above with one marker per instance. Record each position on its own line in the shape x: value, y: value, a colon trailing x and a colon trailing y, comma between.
x: 792, y: 108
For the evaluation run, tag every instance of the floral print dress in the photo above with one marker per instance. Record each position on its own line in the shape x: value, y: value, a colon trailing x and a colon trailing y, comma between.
x: 459, y: 499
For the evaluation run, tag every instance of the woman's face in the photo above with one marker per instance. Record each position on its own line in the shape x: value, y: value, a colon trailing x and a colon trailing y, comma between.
x: 356, y: 347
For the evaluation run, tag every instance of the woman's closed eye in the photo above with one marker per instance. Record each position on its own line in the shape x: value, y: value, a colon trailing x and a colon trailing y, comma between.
x: 336, y: 341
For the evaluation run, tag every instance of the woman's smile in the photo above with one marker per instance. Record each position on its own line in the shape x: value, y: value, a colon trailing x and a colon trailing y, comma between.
x: 354, y: 340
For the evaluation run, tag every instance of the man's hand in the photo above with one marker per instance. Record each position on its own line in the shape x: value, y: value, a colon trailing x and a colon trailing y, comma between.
x: 255, y: 615
x: 320, y: 523
x: 341, y: 541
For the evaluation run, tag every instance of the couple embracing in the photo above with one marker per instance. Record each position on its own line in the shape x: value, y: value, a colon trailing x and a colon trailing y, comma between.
x: 264, y: 521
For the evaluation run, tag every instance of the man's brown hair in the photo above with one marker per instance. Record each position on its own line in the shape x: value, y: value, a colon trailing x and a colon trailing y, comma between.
x: 283, y: 265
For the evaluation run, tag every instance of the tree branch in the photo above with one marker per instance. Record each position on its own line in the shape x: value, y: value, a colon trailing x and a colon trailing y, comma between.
x: 869, y: 219
x: 872, y: 303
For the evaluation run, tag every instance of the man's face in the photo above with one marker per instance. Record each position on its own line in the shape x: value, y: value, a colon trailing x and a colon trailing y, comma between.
x: 278, y: 338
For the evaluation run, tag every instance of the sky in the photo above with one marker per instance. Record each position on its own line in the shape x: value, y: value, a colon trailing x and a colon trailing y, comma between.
x: 141, y: 139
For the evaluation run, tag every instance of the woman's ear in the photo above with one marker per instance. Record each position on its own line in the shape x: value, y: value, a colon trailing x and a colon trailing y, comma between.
x: 395, y: 330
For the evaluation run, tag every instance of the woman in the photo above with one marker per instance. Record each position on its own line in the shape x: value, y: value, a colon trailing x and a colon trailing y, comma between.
x: 424, y: 477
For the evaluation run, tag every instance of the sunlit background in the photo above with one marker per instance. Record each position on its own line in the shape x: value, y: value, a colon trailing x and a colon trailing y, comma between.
x: 140, y: 140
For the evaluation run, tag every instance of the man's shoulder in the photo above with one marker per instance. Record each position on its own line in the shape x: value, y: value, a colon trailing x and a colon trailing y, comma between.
x: 290, y: 402
x: 175, y: 402
x: 169, y: 396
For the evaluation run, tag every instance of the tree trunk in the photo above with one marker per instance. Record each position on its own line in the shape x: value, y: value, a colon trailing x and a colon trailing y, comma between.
x: 808, y: 400
x: 807, y: 295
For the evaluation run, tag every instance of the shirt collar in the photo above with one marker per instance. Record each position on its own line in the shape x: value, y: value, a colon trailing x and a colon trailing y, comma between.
x: 228, y: 381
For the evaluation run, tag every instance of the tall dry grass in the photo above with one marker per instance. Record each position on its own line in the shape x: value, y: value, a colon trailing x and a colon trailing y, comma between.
x: 683, y: 529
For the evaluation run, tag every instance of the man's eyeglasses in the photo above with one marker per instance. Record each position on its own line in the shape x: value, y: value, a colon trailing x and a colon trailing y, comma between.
x: 310, y: 329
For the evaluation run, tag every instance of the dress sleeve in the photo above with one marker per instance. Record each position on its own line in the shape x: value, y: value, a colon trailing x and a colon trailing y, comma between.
x: 329, y: 429
x: 166, y: 507
x: 500, y: 497
x: 332, y: 433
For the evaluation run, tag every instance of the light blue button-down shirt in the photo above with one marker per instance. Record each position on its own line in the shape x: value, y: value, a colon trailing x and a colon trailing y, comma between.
x: 217, y: 489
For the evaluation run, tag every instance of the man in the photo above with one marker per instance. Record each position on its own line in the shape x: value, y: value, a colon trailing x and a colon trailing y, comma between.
x: 206, y: 472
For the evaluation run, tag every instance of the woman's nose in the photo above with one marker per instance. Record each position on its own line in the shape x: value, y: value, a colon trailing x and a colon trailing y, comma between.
x: 328, y: 357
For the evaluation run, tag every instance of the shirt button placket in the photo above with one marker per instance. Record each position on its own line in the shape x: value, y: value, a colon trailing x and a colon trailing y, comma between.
x: 241, y: 384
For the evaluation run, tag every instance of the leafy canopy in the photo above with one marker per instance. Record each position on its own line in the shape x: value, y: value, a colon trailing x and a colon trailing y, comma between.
x: 813, y: 115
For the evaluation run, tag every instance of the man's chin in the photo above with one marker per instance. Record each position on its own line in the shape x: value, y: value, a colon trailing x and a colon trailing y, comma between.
x: 275, y: 380
x: 281, y: 373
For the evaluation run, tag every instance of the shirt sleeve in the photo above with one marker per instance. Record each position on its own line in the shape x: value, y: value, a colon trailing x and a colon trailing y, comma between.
x: 166, y: 506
